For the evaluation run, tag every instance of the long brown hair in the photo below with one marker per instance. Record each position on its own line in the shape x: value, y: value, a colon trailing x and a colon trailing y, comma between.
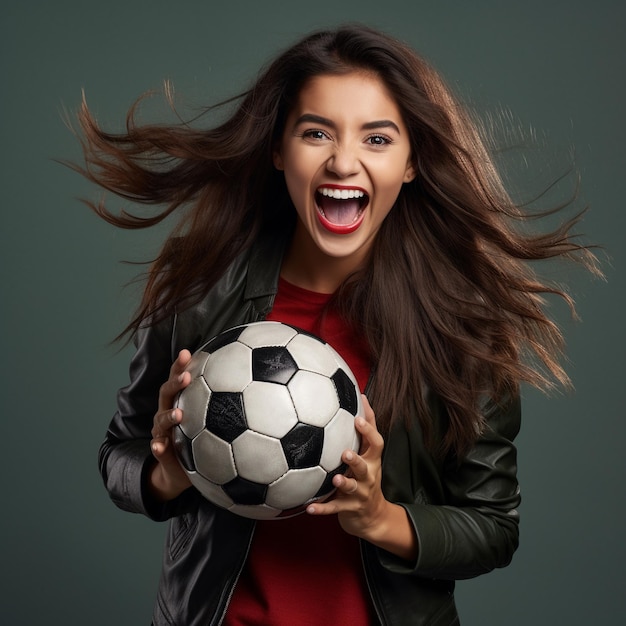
x: 448, y: 300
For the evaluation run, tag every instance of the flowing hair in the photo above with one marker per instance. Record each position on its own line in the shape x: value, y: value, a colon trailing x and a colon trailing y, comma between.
x: 448, y: 302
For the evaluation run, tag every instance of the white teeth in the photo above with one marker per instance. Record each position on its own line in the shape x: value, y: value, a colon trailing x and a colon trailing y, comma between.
x: 341, y: 194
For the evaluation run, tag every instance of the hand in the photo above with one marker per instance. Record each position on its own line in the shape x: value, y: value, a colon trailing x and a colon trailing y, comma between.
x: 359, y: 502
x: 167, y: 478
x: 359, y: 499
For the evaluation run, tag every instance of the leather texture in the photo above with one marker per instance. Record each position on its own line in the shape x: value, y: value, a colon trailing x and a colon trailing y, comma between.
x: 464, y: 513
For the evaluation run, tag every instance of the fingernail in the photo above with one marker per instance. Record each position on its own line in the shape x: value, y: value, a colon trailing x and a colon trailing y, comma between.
x: 349, y: 456
x: 173, y: 417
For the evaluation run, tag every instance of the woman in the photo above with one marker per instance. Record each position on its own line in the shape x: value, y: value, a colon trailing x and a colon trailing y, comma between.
x: 349, y: 194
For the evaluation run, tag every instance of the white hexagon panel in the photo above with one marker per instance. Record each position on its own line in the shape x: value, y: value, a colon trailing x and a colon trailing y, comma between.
x: 259, y: 458
x: 267, y: 334
x: 295, y: 488
x: 194, y: 402
x: 269, y: 409
x: 310, y: 356
x: 314, y: 397
x: 213, y: 458
x: 336, y: 433
x: 229, y: 369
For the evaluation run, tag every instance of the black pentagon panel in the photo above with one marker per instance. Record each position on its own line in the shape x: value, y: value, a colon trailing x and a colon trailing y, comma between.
x: 302, y: 446
x: 244, y: 491
x: 223, y: 339
x: 182, y: 445
x: 225, y: 416
x: 273, y: 364
x: 346, y: 391
x: 327, y: 486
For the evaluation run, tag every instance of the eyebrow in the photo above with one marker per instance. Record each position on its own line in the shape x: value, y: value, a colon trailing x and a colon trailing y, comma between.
x: 324, y: 121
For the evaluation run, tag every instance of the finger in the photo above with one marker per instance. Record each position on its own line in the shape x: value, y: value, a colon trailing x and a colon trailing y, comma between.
x: 162, y: 450
x: 164, y: 453
x: 330, y: 507
x: 178, y: 379
x: 182, y: 360
x: 368, y: 411
x: 350, y: 486
x: 158, y: 446
x: 327, y: 508
x: 357, y: 466
x: 164, y: 421
x: 371, y: 439
x: 345, y: 483
x: 179, y: 366
x: 170, y: 389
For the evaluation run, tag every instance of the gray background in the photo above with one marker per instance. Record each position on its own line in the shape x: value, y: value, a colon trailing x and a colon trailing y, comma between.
x: 68, y: 555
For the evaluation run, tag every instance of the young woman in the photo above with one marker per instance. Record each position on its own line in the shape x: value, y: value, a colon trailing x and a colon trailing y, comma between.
x: 348, y: 194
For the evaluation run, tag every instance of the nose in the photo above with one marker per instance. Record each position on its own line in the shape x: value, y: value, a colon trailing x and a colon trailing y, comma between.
x: 343, y: 162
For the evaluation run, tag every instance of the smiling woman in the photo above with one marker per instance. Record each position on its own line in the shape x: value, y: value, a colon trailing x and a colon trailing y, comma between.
x: 350, y: 195
x: 343, y: 174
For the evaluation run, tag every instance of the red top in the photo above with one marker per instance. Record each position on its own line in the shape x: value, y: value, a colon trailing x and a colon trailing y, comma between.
x: 306, y: 570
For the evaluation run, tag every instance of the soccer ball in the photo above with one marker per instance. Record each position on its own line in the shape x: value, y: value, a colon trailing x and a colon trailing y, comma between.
x: 267, y: 415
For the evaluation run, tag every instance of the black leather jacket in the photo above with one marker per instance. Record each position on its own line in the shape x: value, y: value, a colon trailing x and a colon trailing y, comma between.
x: 464, y: 514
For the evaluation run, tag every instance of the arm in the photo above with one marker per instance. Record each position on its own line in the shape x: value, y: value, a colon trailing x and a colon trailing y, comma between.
x: 471, y: 529
x: 138, y: 434
x: 476, y: 528
x: 360, y: 504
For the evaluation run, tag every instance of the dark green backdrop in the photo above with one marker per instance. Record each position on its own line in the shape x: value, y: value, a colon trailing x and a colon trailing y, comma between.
x: 69, y: 556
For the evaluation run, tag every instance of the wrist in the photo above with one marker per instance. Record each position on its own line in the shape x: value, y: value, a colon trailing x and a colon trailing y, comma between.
x: 161, y: 486
x: 394, y: 532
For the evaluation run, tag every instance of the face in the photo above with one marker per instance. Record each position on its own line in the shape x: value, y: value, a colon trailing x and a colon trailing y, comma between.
x: 345, y: 154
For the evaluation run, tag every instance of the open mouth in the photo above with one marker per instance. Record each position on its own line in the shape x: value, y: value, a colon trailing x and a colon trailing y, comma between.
x: 341, y: 209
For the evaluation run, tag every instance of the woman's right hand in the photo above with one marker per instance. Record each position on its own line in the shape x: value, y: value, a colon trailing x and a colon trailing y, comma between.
x: 167, y: 478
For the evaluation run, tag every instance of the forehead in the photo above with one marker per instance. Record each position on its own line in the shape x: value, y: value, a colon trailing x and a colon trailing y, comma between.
x: 357, y: 96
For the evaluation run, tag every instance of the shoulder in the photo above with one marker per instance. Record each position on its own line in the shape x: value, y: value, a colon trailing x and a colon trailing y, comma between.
x: 244, y: 293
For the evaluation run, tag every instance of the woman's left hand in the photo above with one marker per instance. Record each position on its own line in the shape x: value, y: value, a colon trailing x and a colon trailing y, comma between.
x: 359, y: 499
x: 359, y: 502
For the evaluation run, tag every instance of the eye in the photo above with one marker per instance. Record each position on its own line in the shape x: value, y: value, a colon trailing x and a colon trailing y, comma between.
x: 315, y: 134
x: 378, y: 140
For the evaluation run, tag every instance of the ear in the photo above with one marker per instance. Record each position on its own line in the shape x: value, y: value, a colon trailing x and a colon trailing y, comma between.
x: 277, y: 158
x: 410, y: 173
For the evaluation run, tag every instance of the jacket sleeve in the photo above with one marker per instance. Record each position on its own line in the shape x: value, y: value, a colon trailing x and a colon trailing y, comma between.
x: 475, y: 527
x: 125, y: 454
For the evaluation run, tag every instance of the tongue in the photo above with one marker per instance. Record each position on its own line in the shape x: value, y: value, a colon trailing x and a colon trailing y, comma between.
x: 340, y: 211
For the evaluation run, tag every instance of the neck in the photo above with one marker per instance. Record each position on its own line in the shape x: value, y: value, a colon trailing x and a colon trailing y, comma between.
x: 306, y: 266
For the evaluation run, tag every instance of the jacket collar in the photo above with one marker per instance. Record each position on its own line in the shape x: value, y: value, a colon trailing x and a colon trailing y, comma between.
x: 265, y: 261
